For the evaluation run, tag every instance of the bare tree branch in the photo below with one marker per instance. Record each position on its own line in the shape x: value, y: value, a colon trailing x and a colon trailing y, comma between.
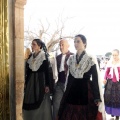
x: 51, y: 38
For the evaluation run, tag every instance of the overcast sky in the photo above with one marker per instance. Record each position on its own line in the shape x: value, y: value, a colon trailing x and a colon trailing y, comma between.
x: 98, y: 20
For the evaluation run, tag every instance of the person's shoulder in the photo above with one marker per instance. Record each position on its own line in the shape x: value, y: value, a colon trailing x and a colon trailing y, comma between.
x: 42, y: 52
x: 89, y: 55
x: 72, y: 56
x: 41, y: 56
x: 92, y: 57
x: 59, y: 55
x: 71, y: 53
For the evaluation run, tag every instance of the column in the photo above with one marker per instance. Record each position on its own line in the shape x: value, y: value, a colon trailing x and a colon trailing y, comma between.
x: 19, y: 55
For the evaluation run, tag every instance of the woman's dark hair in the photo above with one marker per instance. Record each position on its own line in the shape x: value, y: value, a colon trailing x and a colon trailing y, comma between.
x: 83, y: 38
x: 42, y: 46
x: 39, y: 43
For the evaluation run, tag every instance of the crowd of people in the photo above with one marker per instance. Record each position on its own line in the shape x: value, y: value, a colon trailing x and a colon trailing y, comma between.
x: 102, y: 62
x: 70, y: 87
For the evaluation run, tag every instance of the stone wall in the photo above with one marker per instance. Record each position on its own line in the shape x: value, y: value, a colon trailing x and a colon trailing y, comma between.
x: 16, y: 34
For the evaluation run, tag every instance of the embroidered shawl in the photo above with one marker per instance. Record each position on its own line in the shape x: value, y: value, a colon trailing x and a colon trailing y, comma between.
x: 78, y: 70
x: 35, y: 63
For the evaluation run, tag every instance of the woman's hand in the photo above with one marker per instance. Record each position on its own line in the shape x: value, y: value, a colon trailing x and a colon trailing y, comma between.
x: 47, y: 89
x: 104, y: 82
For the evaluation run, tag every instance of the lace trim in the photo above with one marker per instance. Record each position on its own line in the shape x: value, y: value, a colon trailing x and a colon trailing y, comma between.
x: 78, y: 70
x: 35, y: 63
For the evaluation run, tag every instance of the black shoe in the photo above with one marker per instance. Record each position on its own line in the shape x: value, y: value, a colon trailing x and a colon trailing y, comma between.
x: 117, y: 117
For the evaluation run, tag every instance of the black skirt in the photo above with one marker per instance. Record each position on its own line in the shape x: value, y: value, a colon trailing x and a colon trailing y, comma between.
x: 112, y: 94
x: 81, y: 112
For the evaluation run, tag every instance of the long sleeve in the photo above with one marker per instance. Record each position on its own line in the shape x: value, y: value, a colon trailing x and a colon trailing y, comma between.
x: 46, y: 71
x: 49, y: 80
x: 95, y: 85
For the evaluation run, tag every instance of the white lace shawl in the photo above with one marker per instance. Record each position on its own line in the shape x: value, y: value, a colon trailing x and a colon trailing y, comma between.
x: 84, y: 65
x: 35, y: 63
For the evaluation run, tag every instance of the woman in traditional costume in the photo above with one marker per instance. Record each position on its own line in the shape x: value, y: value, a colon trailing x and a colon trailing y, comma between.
x: 36, y: 81
x: 112, y: 86
x: 82, y: 97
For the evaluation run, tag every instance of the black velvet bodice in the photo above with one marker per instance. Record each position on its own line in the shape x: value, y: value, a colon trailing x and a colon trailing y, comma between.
x: 79, y: 92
